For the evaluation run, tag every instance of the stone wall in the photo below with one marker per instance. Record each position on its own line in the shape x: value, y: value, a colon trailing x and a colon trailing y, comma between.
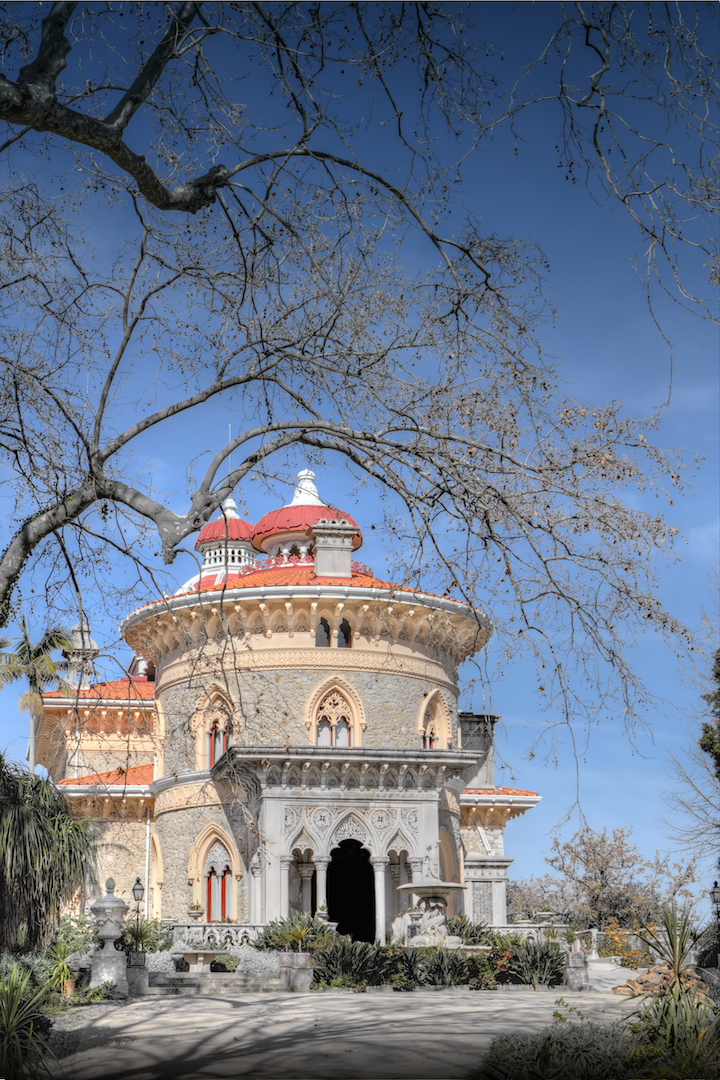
x: 179, y: 826
x: 121, y: 855
x: 271, y: 708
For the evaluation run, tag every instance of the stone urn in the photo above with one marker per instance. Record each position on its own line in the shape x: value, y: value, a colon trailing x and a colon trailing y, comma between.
x: 195, y: 914
x: 109, y: 965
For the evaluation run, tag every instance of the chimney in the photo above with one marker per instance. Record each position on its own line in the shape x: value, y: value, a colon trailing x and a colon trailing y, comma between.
x: 477, y: 733
x: 334, y: 547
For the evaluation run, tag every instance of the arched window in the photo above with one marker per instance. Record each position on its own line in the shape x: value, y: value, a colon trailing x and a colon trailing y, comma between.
x: 333, y: 721
x: 344, y: 635
x: 434, y: 725
x: 429, y: 739
x: 322, y: 634
x: 218, y: 885
x: 217, y: 742
x: 214, y: 729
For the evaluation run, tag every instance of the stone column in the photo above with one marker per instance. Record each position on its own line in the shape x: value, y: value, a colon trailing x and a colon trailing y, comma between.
x: 395, y: 875
x: 321, y: 864
x: 378, y: 863
x: 415, y: 865
x: 306, y: 872
x: 286, y: 862
x: 256, y: 899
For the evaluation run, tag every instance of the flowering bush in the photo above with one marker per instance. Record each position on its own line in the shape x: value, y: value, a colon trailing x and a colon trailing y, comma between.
x: 617, y: 941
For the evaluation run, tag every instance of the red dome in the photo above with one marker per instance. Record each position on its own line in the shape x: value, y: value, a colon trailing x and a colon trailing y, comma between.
x: 298, y: 519
x: 218, y: 529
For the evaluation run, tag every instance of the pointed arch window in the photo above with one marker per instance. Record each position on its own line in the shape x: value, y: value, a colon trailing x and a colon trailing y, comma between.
x: 217, y: 742
x: 218, y: 885
x: 435, y: 725
x: 322, y: 634
x: 214, y: 731
x: 334, y: 721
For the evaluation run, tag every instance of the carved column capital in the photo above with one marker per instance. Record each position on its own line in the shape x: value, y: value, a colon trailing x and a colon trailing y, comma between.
x: 286, y: 861
x: 306, y: 869
x: 379, y: 862
x: 416, y: 862
x: 321, y: 862
x: 395, y: 871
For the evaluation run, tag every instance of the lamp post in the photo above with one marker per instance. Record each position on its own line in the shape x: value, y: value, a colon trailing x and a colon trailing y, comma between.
x: 138, y: 892
x: 715, y: 899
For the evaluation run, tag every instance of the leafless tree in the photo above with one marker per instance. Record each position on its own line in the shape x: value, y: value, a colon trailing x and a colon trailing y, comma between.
x: 601, y: 878
x: 277, y: 283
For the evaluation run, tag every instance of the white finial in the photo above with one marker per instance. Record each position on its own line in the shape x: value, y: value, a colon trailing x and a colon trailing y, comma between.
x: 306, y: 494
x: 230, y: 508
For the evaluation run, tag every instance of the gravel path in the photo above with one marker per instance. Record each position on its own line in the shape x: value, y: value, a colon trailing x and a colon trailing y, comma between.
x: 316, y: 1036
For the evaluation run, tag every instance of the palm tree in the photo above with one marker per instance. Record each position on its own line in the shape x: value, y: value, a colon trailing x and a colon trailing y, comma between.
x: 34, y: 663
x: 47, y: 854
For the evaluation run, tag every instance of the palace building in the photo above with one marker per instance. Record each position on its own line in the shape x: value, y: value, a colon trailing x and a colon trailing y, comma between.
x: 288, y: 737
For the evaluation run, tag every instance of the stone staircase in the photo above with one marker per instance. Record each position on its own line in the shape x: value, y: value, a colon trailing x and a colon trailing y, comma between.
x: 180, y: 984
x: 603, y: 974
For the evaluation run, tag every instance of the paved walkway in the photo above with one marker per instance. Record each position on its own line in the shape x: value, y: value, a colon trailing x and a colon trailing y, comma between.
x: 317, y: 1036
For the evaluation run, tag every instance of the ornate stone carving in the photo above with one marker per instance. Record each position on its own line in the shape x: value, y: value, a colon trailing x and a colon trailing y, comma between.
x: 382, y: 820
x: 410, y: 821
x: 321, y: 817
x: 350, y: 829
x: 482, y: 902
x: 292, y: 818
x: 303, y: 841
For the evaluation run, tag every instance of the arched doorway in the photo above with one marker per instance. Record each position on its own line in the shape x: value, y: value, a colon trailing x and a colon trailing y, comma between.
x: 351, y: 891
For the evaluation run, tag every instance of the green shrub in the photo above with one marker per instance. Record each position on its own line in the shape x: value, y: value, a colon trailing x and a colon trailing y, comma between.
x: 537, y: 963
x: 297, y: 933
x: 564, y: 1052
x: 147, y: 935
x: 60, y: 970
x: 79, y: 932
x: 91, y: 995
x: 675, y: 1034
x: 24, y: 1027
x: 471, y: 933
x: 352, y: 962
x: 444, y: 968
x: 224, y: 962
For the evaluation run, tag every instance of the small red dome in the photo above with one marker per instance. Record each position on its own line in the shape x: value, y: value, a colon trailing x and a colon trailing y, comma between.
x: 230, y: 525
x: 298, y: 519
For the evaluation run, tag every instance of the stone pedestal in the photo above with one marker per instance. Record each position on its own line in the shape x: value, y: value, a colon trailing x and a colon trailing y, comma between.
x: 138, y: 979
x: 109, y: 965
x: 486, y: 896
x: 296, y: 972
x: 576, y: 974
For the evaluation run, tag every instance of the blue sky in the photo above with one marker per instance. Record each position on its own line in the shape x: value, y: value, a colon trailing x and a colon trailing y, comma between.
x: 609, y: 348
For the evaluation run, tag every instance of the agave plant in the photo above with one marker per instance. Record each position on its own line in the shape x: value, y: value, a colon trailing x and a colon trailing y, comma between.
x: 671, y: 942
x: 295, y: 933
x: 471, y: 933
x: 60, y: 970
x: 23, y: 1027
x: 444, y: 968
x: 351, y: 963
x: 536, y: 963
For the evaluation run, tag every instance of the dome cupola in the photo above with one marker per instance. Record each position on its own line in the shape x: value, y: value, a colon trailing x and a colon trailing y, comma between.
x: 226, y: 542
x: 290, y: 530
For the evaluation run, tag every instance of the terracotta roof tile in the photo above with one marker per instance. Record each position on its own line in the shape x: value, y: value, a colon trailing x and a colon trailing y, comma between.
x: 135, y: 776
x: 497, y: 791
x: 295, y: 575
x: 130, y: 689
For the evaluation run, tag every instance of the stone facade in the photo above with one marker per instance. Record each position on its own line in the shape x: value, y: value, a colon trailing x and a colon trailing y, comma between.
x: 304, y: 731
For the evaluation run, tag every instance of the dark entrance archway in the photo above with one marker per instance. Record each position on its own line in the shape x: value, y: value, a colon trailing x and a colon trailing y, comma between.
x: 351, y: 891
